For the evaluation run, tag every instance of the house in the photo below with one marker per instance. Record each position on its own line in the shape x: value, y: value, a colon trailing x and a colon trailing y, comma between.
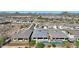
x: 40, y: 26
x: 71, y: 26
x: 22, y: 35
x: 57, y: 36
x: 40, y: 35
x: 75, y: 33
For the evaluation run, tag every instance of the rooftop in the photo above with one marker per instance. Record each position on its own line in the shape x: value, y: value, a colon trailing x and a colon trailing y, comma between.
x: 40, y: 33
x: 57, y: 34
x: 22, y: 34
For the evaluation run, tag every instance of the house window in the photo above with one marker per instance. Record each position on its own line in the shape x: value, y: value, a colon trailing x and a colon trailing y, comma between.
x: 20, y: 38
x: 45, y: 38
x: 40, y: 38
x: 34, y: 38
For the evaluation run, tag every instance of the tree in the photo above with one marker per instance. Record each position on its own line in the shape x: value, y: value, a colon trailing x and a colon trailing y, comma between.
x: 67, y: 44
x: 77, y: 43
x: 49, y: 46
x: 32, y: 42
x: 40, y: 45
x: 53, y: 45
x: 2, y: 40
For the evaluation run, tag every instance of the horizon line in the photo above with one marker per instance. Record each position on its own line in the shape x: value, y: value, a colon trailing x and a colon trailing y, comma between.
x: 57, y: 12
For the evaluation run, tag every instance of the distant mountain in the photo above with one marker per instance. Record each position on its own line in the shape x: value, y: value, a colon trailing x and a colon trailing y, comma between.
x: 68, y: 13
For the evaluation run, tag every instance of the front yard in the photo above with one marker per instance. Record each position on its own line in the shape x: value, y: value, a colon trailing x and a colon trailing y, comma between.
x: 33, y: 44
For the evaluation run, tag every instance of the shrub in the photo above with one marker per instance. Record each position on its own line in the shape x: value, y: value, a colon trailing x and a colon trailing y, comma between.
x: 77, y: 43
x: 2, y: 40
x: 49, y: 46
x: 32, y: 42
x: 53, y: 45
x: 40, y: 45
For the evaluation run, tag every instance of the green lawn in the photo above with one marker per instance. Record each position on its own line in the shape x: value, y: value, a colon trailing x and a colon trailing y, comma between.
x: 40, y: 45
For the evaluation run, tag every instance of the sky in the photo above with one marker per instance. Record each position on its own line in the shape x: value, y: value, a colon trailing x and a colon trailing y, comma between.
x: 39, y: 5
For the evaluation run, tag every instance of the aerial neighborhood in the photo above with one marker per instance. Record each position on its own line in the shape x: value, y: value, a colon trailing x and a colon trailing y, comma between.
x: 39, y: 30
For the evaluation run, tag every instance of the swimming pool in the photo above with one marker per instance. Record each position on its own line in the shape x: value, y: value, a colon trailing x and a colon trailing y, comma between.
x: 57, y: 42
